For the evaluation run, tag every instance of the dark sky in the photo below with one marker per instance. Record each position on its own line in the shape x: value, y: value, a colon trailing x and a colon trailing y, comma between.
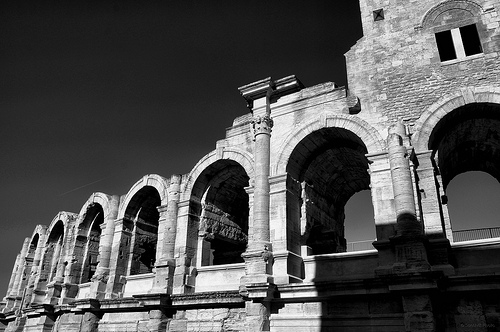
x: 96, y: 94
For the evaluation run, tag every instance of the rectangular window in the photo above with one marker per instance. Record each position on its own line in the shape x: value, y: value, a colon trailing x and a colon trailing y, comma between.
x: 445, y: 46
x: 470, y: 39
x: 458, y: 43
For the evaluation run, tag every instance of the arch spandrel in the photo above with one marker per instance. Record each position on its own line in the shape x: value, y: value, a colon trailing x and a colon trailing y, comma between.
x: 425, y: 125
x: 243, y: 158
x: 368, y: 135
x: 152, y: 180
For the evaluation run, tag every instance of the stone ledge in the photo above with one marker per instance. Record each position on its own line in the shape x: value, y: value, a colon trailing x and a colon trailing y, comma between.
x: 206, y: 299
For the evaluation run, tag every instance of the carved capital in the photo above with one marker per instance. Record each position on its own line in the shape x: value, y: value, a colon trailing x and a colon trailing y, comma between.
x: 262, y: 125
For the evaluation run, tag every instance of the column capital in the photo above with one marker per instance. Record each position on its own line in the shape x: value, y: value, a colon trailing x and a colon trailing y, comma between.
x: 262, y: 125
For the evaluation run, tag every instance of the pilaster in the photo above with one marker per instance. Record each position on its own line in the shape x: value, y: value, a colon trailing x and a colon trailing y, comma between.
x: 285, y: 230
x: 167, y: 229
x: 101, y: 276
x: 119, y: 257
x: 184, y: 271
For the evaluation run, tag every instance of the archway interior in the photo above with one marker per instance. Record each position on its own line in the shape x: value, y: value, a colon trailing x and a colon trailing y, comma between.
x: 142, y: 211
x: 53, y: 251
x: 89, y: 238
x: 466, y: 140
x: 220, y: 203
x: 329, y: 166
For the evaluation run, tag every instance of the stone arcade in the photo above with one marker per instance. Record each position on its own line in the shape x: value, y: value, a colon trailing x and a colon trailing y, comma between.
x: 252, y: 238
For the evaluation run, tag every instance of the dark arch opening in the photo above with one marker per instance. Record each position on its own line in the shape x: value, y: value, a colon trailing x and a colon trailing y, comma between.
x: 143, y: 213
x: 219, y: 208
x: 89, y: 239
x: 467, y: 140
x: 53, y: 251
x: 326, y: 168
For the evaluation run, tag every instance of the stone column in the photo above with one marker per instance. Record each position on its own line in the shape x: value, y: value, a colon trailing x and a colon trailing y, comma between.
x: 258, y: 282
x: 411, y: 255
x: 167, y: 229
x: 404, y: 201
x: 258, y: 257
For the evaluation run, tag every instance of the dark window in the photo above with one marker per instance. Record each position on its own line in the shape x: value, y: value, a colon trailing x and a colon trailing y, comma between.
x: 445, y: 45
x: 470, y: 40
x: 458, y: 43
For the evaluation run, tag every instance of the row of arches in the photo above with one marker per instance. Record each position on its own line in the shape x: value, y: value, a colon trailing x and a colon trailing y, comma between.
x: 327, y: 166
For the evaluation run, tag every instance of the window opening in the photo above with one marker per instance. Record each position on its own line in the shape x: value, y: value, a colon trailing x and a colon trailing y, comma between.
x: 445, y: 46
x: 470, y: 39
x: 458, y: 43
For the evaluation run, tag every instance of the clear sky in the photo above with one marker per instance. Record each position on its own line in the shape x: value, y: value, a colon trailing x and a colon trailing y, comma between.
x: 96, y: 94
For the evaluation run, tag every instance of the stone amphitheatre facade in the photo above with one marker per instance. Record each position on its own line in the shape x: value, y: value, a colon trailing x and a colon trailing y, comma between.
x: 252, y: 238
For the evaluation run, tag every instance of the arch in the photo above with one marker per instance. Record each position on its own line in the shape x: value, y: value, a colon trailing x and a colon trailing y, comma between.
x: 369, y: 135
x: 241, y: 157
x: 105, y: 201
x: 437, y: 111
x: 53, y: 251
x: 151, y: 180
x: 39, y: 230
x: 324, y: 170
x: 87, y: 243
x: 139, y: 211
x: 66, y: 218
x: 432, y: 14
x: 219, y: 212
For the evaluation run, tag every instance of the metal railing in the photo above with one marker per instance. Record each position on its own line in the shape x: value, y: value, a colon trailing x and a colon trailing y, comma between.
x: 476, y: 234
x: 359, y: 245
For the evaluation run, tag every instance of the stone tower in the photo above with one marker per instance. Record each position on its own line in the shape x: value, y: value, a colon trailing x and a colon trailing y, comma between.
x: 252, y: 238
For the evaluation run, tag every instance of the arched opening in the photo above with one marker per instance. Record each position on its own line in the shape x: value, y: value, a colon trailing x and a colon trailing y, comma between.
x: 142, y: 211
x: 88, y: 240
x: 467, y: 140
x: 219, y: 204
x: 473, y: 206
x: 328, y: 166
x: 53, y: 252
